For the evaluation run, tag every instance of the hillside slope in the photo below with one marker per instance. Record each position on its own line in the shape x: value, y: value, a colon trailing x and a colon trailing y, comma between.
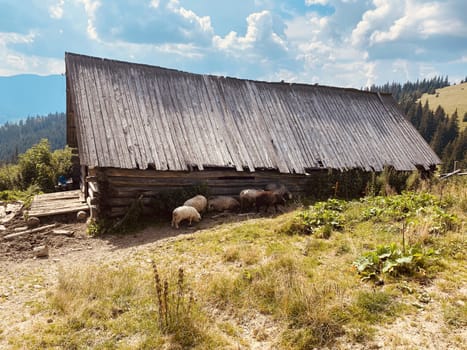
x: 17, y: 137
x: 450, y: 98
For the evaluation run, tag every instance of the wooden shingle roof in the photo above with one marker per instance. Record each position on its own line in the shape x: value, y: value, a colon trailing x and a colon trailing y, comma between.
x: 126, y: 115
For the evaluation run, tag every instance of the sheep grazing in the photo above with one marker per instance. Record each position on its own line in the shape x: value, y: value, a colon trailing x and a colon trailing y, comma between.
x: 184, y: 213
x: 279, y: 188
x: 267, y: 199
x: 248, y: 198
x: 223, y: 203
x: 198, y: 202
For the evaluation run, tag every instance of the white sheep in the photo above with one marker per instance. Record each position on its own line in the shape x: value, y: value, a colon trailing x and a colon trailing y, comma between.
x: 184, y: 213
x: 198, y: 202
x: 221, y: 203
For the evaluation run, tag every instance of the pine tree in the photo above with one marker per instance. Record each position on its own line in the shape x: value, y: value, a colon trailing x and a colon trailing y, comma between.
x: 453, y: 126
x: 414, y: 115
x: 456, y: 150
x: 428, y: 124
x: 439, y: 141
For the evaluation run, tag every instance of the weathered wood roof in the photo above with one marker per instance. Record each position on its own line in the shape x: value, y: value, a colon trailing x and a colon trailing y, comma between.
x: 127, y: 115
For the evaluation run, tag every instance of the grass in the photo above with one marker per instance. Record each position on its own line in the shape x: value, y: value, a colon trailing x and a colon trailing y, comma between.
x: 450, y: 98
x: 301, y: 283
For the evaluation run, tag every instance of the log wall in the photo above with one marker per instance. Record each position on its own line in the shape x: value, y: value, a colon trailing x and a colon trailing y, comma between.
x: 111, y: 191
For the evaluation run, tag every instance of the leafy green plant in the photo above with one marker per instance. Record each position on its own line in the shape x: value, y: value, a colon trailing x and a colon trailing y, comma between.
x: 95, y: 228
x: 397, y: 207
x: 391, y: 260
x: 25, y: 196
x: 320, y: 219
x: 440, y: 220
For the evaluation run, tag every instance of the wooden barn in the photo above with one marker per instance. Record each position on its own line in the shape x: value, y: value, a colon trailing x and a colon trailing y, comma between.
x: 141, y: 129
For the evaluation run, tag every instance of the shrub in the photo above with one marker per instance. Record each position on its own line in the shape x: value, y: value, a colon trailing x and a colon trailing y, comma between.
x: 391, y: 260
x: 390, y: 181
x: 35, y: 166
x: 39, y: 166
x: 320, y: 219
x: 10, y: 177
x: 397, y: 207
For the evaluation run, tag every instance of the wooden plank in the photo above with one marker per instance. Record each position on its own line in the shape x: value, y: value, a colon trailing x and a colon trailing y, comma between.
x: 193, y: 139
x: 165, y: 144
x: 52, y: 212
x: 127, y: 137
x: 58, y: 195
x: 175, y: 157
x: 137, y: 119
x: 95, y: 117
x: 151, y: 139
x: 93, y: 186
x: 216, y: 145
x: 27, y: 232
x: 114, y: 123
x: 84, y: 129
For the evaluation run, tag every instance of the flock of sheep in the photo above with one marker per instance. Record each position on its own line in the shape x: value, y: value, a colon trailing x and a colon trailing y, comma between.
x: 191, y: 210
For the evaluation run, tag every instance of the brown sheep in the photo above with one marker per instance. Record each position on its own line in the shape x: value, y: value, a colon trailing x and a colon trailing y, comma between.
x: 267, y: 199
x: 248, y: 198
x: 280, y: 188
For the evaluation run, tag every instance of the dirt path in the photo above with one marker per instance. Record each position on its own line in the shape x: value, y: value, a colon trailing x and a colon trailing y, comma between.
x: 24, y: 279
x: 24, y: 282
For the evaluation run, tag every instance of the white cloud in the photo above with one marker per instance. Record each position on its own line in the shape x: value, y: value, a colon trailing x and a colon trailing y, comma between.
x: 91, y: 7
x: 307, y: 28
x: 348, y: 43
x: 56, y: 11
x: 16, y: 38
x: 16, y: 63
x: 385, y: 12
x: 261, y: 37
x: 203, y: 24
x: 394, y: 20
x: 157, y: 22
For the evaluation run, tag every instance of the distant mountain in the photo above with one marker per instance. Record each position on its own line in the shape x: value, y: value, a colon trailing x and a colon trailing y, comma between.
x: 31, y: 95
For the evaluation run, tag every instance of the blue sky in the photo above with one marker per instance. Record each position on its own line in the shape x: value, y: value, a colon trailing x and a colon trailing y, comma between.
x: 352, y: 43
